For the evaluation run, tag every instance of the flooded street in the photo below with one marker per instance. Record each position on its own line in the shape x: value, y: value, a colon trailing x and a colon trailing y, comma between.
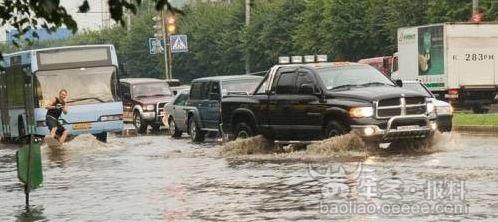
x: 155, y: 178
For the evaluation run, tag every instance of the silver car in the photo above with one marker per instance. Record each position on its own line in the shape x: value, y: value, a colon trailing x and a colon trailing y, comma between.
x: 175, y: 115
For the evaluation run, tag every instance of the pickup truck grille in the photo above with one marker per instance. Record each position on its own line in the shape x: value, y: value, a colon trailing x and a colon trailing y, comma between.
x: 388, y: 108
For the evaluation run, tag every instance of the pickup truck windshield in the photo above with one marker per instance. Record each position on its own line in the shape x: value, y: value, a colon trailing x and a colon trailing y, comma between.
x: 150, y: 89
x: 352, y: 76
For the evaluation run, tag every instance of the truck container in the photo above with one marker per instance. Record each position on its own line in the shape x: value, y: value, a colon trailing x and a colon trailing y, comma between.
x: 456, y: 61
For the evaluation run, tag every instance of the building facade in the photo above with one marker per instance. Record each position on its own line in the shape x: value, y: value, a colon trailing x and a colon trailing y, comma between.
x: 98, y: 17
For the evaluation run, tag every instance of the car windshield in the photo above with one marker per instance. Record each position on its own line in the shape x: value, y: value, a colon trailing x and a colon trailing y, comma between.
x: 151, y: 89
x: 243, y: 86
x: 85, y: 85
x: 352, y: 76
x: 417, y: 87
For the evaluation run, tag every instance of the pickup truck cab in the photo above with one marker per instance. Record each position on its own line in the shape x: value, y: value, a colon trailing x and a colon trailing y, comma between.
x: 204, y: 102
x: 305, y: 102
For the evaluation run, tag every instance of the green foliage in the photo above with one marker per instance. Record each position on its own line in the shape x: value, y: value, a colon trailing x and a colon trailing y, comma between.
x: 219, y: 40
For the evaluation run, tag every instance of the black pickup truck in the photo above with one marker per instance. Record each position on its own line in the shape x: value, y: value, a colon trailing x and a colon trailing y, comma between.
x: 305, y: 102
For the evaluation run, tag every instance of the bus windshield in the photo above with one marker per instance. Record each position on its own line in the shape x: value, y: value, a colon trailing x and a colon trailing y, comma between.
x: 85, y: 85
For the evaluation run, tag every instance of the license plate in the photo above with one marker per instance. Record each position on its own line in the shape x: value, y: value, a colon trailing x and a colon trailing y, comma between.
x: 82, y: 126
x: 411, y: 127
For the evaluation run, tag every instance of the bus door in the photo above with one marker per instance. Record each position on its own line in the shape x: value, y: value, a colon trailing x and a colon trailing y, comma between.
x: 29, y: 100
x: 15, y: 92
x: 4, y: 112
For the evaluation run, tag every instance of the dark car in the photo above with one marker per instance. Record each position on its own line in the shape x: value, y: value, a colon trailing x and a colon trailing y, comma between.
x: 176, y: 115
x: 305, y: 102
x: 143, y: 101
x: 204, y: 102
x: 444, y: 111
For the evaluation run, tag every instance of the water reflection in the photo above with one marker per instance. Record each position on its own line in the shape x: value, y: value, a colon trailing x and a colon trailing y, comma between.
x: 33, y: 213
x: 155, y: 178
x: 57, y: 157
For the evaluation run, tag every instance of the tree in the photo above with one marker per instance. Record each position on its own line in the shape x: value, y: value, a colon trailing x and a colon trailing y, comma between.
x: 269, y: 34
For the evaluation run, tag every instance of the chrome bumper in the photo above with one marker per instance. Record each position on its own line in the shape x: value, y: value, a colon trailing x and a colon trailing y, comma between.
x: 373, y: 132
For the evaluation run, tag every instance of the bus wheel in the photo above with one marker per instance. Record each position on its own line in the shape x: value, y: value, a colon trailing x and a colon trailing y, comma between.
x: 102, y: 137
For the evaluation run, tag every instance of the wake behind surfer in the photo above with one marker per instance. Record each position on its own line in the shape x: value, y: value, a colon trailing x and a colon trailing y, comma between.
x: 55, y: 108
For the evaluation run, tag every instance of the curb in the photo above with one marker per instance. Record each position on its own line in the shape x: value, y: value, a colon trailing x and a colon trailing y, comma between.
x: 476, y: 128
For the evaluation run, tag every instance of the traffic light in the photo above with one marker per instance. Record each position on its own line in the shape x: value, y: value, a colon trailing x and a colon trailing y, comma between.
x: 158, y: 27
x: 171, y: 24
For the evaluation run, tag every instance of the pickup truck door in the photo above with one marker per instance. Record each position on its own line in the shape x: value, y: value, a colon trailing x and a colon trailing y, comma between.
x: 308, y: 111
x: 281, y: 104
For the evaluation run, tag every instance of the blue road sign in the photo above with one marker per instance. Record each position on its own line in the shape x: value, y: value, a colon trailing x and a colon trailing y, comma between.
x: 156, y: 47
x: 178, y: 43
x: 152, y: 46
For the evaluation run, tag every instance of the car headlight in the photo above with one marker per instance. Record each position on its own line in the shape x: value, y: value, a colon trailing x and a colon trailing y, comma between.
x: 430, y: 107
x: 444, y: 110
x: 149, y: 107
x: 359, y: 112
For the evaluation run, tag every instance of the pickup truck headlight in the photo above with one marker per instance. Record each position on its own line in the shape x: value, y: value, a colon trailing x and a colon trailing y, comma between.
x: 430, y: 107
x: 359, y: 112
x: 149, y: 107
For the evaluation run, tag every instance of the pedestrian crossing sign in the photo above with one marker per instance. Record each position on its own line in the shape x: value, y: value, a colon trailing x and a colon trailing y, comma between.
x: 178, y: 43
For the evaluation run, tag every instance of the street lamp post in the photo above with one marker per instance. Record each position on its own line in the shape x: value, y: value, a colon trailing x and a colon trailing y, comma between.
x: 248, y: 19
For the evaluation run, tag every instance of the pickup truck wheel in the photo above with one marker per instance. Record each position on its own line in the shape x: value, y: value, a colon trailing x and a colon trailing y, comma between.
x: 196, y: 134
x: 173, y: 131
x: 139, y: 124
x: 334, y: 128
x: 156, y: 127
x: 243, y: 130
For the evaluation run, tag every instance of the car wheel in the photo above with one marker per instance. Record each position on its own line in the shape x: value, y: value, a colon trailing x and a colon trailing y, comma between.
x: 334, y: 128
x: 196, y: 134
x: 139, y: 124
x: 173, y: 131
x: 243, y: 130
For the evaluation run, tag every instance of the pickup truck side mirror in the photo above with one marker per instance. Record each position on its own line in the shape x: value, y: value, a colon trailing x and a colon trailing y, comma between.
x: 399, y: 82
x: 214, y: 96
x: 307, y: 89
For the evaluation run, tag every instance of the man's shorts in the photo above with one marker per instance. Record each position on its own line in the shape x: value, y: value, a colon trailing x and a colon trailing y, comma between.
x: 52, y: 123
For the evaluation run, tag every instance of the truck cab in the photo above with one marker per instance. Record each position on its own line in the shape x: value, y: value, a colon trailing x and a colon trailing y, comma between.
x: 314, y: 101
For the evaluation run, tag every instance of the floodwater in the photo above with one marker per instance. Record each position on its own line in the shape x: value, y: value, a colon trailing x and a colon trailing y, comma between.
x: 155, y: 178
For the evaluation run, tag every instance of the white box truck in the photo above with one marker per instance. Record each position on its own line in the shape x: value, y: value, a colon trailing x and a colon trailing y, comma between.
x: 457, y: 61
